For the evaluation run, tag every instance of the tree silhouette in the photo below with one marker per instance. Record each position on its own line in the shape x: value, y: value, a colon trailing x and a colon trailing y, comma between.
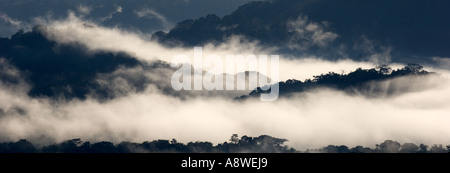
x: 423, y: 148
x: 389, y: 146
x: 409, y: 148
x: 245, y: 144
x: 21, y: 146
x: 437, y: 149
x: 353, y: 82
x: 234, y: 139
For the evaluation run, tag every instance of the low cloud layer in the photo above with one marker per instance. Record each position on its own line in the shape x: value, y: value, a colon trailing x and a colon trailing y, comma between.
x: 97, y: 38
x: 309, y: 120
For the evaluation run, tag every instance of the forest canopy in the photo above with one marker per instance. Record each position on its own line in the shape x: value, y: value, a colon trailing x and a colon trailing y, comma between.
x: 244, y: 144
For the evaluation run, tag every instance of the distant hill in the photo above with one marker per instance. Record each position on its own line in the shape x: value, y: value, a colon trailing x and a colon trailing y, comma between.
x: 71, y: 71
x: 407, y: 30
x: 360, y: 81
x: 146, y: 16
x: 56, y: 70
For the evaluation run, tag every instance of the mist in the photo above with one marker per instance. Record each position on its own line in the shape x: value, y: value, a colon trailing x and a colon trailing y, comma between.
x: 309, y: 120
x: 97, y: 38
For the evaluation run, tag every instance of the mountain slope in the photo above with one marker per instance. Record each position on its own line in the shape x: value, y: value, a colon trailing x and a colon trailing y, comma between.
x: 361, y: 81
x: 58, y: 70
x: 409, y: 31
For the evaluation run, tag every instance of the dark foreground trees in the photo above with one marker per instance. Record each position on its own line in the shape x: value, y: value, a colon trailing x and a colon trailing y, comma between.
x: 244, y: 144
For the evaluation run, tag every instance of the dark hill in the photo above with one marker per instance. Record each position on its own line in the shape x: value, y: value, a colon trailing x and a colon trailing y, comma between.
x: 413, y: 30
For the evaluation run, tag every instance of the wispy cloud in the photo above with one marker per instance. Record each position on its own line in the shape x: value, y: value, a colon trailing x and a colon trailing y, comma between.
x: 119, y: 9
x: 10, y: 20
x: 84, y: 10
x: 310, y: 33
x: 373, y: 51
x: 443, y: 62
x: 152, y: 14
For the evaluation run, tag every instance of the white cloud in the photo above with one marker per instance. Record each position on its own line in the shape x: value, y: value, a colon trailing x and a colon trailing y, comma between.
x: 97, y: 38
x: 10, y: 72
x: 149, y: 13
x: 309, y: 120
x: 442, y: 62
x: 373, y: 51
x: 310, y: 33
x: 119, y: 9
x: 84, y: 10
x: 11, y: 21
